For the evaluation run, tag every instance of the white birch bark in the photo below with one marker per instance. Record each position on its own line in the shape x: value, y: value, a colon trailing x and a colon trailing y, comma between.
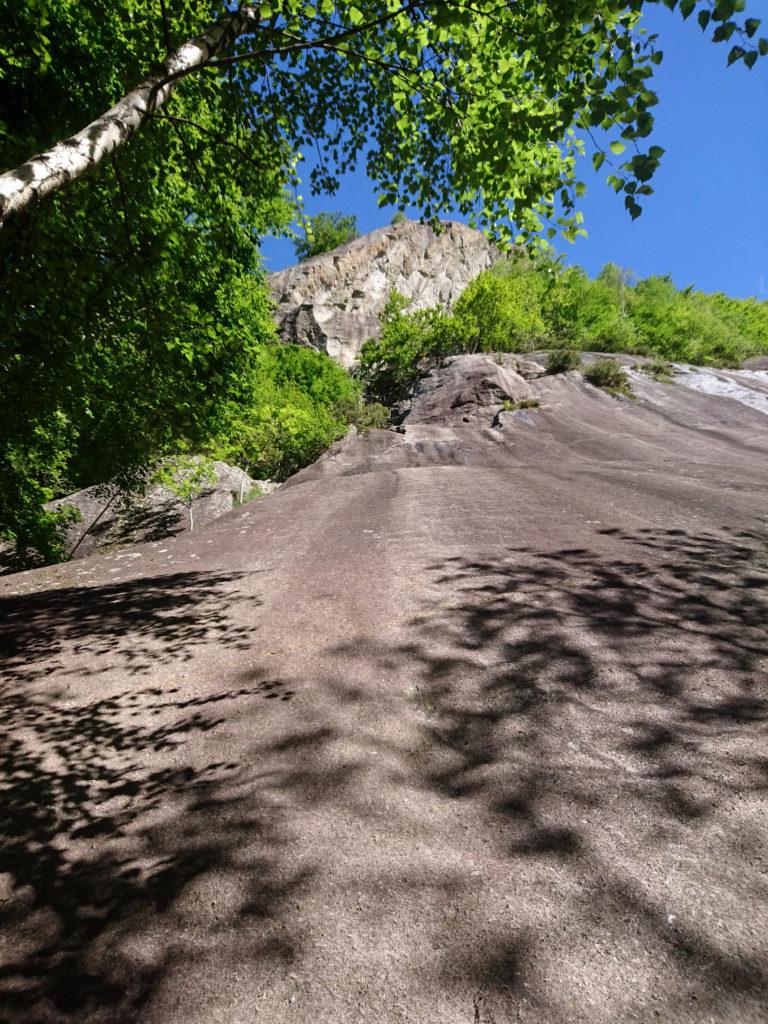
x: 72, y: 158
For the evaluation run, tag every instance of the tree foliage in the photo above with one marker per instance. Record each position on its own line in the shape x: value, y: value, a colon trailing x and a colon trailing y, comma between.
x: 521, y: 305
x: 609, y: 375
x: 479, y: 105
x: 324, y: 232
x: 298, y: 403
x: 132, y: 307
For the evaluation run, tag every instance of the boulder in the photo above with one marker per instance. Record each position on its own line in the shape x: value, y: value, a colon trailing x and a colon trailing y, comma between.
x: 110, y: 519
x: 466, y: 387
x: 332, y: 302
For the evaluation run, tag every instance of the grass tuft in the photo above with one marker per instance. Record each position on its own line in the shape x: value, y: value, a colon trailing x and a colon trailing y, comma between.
x: 608, y: 375
x: 524, y: 403
x: 562, y: 360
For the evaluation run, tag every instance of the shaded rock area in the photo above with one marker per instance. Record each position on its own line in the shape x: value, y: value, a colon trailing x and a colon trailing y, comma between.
x: 466, y: 723
x: 110, y: 519
x: 757, y: 363
x: 331, y: 302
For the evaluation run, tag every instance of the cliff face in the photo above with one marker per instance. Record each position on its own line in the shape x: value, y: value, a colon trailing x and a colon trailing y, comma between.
x: 332, y: 302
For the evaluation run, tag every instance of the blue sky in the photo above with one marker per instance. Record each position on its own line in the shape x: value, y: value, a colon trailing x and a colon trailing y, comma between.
x: 707, y: 223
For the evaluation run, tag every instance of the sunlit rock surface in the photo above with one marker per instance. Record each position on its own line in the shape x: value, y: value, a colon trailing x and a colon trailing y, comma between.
x: 332, y: 302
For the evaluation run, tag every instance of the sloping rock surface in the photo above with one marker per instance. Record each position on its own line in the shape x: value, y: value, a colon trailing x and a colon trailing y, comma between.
x: 332, y: 302
x: 467, y: 723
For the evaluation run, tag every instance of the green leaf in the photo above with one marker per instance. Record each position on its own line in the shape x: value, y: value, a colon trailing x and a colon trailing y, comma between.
x: 355, y: 15
x: 704, y: 17
x: 751, y: 25
x: 598, y: 159
x: 723, y: 32
x: 634, y: 208
x: 724, y: 9
x: 686, y: 7
x: 617, y: 147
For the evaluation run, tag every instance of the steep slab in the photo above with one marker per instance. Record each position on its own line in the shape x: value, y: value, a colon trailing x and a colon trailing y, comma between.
x: 463, y: 724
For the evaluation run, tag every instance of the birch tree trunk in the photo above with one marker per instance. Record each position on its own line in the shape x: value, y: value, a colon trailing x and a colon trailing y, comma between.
x: 72, y: 158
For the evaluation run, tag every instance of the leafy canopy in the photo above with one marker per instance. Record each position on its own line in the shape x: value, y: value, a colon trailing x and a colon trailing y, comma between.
x: 476, y: 105
x: 483, y: 107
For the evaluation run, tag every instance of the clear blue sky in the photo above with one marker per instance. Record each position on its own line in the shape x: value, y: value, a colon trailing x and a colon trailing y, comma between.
x: 707, y: 223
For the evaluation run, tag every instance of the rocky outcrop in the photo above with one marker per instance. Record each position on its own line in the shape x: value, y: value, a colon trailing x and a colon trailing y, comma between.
x: 332, y: 302
x: 465, y: 388
x: 108, y: 518
x: 468, y: 388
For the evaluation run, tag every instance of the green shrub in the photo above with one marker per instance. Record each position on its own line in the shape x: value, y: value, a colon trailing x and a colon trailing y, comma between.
x: 502, y: 310
x: 356, y: 412
x: 300, y: 402
x: 608, y: 375
x: 324, y: 232
x: 562, y: 360
x: 659, y: 369
x: 249, y: 495
x: 524, y: 403
x: 389, y: 367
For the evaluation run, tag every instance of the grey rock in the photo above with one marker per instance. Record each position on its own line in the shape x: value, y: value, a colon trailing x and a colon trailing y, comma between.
x: 332, y: 302
x: 530, y: 370
x: 463, y: 388
x: 526, y: 366
x: 757, y: 363
x: 110, y: 519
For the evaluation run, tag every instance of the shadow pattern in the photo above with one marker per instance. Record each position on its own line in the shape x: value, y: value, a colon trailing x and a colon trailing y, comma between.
x: 592, y: 709
x: 106, y: 812
x: 587, y: 704
x: 142, y: 623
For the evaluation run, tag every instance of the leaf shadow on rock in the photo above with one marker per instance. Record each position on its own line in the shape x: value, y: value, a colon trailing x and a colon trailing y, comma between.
x: 603, y: 712
x: 142, y: 623
x: 114, y: 816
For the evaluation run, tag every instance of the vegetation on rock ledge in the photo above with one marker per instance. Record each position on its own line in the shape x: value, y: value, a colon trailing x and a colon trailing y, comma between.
x: 521, y: 305
x: 323, y: 233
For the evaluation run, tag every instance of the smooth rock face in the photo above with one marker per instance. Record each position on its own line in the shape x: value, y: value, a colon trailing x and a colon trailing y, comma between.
x: 465, y: 723
x: 332, y: 302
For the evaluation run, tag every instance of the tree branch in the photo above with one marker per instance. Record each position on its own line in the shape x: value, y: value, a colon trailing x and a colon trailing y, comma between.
x: 308, y: 44
x: 222, y: 139
x: 71, y: 159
